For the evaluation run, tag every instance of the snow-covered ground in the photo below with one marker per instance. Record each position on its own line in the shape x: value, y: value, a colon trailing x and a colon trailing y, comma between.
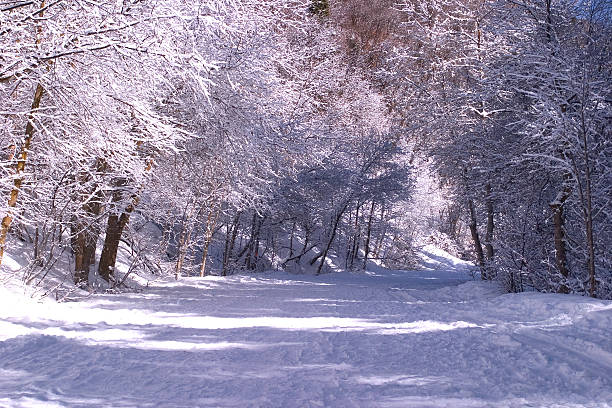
x: 430, y: 338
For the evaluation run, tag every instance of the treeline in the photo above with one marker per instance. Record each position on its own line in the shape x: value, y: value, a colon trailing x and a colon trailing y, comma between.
x: 227, y: 132
x: 511, y: 102
x: 241, y: 134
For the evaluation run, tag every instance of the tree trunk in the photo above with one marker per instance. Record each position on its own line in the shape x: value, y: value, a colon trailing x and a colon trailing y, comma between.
x: 331, y: 238
x: 85, y: 231
x: 253, y: 245
x: 21, y: 162
x: 204, y: 256
x: 304, y: 250
x: 183, y: 246
x: 291, y: 240
x: 476, y: 238
x: 559, y: 236
x: 306, y: 241
x: 78, y: 245
x: 490, y: 225
x: 38, y: 245
x: 590, y: 241
x: 588, y: 210
x: 368, y: 235
x: 249, y: 246
x: 211, y: 220
x: 356, y: 237
x: 383, y: 232
x: 114, y: 230
x: 489, y: 233
x: 84, y: 240
x: 184, y: 240
x: 349, y: 242
x: 229, y: 244
x: 108, y: 258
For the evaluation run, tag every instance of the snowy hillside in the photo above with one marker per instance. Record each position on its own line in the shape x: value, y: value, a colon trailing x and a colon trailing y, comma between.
x: 428, y: 338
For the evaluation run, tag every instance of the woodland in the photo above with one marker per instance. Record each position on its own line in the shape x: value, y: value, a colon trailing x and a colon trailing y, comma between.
x: 225, y: 136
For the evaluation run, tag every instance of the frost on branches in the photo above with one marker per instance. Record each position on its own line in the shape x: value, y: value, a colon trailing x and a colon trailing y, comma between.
x: 310, y: 136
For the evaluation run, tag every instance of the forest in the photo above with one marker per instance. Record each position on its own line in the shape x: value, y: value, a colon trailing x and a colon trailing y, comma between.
x: 305, y: 203
x: 227, y: 136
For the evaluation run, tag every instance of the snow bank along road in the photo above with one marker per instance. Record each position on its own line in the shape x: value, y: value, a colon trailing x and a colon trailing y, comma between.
x: 379, y: 339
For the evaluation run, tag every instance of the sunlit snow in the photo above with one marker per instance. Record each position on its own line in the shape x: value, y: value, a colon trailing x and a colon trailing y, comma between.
x: 427, y: 338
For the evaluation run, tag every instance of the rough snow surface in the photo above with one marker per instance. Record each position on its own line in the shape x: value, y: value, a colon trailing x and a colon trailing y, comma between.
x: 430, y: 338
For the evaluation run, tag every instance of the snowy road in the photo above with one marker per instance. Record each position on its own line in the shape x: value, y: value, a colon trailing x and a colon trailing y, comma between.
x: 383, y: 339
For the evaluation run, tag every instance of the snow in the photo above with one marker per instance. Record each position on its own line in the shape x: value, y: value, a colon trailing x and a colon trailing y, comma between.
x: 428, y: 338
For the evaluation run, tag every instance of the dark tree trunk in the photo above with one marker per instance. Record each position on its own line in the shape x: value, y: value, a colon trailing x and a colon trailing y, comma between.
x: 306, y: 241
x: 559, y: 236
x: 181, y: 244
x: 588, y: 209
x: 476, y: 238
x: 253, y: 245
x: 331, y: 238
x: 84, y: 243
x: 356, y: 237
x: 291, y: 239
x: 229, y: 243
x: 78, y: 248
x: 349, y: 243
x: 383, y: 232
x: 85, y: 231
x: 114, y: 230
x: 490, y: 224
x: 368, y: 235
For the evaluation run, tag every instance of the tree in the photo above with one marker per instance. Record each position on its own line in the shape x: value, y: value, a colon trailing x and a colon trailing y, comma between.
x: 95, y: 105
